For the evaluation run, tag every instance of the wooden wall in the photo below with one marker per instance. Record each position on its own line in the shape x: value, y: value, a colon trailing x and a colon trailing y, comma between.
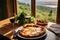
x: 3, y: 10
x: 11, y: 8
x: 8, y: 8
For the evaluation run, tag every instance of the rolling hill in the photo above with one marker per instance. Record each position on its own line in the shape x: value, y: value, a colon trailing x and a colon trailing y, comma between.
x: 42, y: 12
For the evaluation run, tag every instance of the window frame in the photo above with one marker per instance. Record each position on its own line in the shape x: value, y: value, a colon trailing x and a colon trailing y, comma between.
x: 33, y: 9
x: 58, y: 13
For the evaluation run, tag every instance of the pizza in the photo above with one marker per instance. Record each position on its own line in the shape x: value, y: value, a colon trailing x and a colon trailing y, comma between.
x: 32, y: 30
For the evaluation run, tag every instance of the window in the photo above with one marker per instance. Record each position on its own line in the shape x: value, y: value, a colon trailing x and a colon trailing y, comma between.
x: 24, y: 6
x: 46, y: 10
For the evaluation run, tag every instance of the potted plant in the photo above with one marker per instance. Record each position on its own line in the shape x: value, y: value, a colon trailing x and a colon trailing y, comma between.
x: 21, y: 18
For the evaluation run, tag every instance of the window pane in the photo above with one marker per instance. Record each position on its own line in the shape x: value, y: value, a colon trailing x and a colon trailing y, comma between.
x: 46, y: 10
x: 24, y: 5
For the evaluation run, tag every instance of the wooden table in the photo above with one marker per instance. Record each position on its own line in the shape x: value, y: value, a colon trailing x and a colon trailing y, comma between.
x: 50, y: 35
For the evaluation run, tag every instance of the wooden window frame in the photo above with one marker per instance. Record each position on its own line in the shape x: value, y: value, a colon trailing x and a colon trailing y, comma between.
x: 58, y: 13
x: 33, y: 11
x: 11, y: 7
x: 33, y: 7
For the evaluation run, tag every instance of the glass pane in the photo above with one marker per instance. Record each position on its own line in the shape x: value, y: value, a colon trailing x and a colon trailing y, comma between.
x: 46, y: 10
x: 24, y: 6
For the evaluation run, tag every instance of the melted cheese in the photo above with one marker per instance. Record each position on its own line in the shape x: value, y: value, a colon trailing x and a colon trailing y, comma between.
x: 31, y: 31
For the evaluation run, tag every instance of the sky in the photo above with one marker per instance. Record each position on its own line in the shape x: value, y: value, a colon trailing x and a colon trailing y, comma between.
x: 48, y: 0
x: 39, y: 0
x: 29, y: 1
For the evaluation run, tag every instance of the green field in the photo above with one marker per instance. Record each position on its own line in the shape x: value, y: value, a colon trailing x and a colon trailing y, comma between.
x: 42, y: 13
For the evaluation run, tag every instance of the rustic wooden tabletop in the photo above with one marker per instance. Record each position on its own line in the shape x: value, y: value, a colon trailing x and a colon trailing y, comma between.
x: 50, y: 35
